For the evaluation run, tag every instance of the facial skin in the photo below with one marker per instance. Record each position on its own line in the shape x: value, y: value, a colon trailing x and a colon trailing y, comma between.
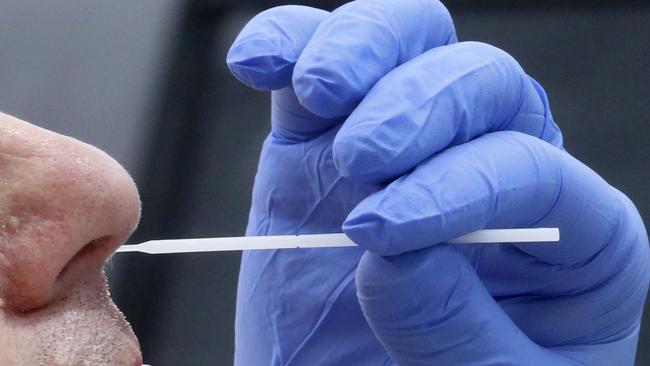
x: 65, y: 207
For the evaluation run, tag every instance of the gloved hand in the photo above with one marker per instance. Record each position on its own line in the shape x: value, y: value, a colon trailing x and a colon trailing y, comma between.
x: 386, y: 127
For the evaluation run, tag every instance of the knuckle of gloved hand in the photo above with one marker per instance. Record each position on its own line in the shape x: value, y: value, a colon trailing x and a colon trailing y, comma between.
x: 486, y: 51
x: 443, y: 18
x: 435, y: 281
x: 631, y: 231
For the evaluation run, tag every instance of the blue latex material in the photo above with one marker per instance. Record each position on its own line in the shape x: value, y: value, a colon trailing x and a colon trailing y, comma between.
x: 386, y: 127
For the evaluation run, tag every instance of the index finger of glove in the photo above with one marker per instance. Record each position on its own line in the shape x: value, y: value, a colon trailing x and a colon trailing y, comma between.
x: 361, y: 42
x: 444, y: 97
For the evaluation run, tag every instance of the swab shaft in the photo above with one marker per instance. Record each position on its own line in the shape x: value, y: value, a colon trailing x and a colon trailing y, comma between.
x: 536, y: 235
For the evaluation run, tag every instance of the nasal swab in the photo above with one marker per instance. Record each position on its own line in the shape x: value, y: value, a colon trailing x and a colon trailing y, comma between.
x: 536, y: 235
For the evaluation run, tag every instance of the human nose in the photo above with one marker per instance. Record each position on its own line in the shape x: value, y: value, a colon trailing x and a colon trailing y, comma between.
x: 65, y: 207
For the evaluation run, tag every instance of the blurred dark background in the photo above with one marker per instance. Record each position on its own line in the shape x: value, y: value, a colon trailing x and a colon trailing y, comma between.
x: 147, y: 82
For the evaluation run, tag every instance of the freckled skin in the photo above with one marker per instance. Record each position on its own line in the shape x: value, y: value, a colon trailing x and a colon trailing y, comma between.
x: 64, y: 208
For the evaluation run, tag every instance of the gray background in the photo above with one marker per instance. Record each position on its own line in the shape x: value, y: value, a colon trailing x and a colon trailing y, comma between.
x: 146, y: 81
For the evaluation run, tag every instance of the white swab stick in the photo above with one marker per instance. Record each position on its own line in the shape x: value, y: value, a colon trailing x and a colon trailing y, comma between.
x: 536, y: 235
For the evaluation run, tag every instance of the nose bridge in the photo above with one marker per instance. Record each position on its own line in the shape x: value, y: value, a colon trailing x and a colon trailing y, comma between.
x: 65, y: 207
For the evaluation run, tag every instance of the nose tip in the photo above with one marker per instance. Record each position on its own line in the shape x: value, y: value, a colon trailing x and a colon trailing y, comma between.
x: 70, y: 208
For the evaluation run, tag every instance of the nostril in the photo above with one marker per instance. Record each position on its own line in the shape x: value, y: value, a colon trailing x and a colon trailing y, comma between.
x: 32, y: 286
x: 91, y: 257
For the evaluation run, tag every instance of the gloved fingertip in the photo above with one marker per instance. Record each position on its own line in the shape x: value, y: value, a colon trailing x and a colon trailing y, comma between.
x: 368, y: 230
x: 453, y: 37
x: 322, y: 92
x: 393, y: 221
x: 257, y: 61
x: 266, y: 50
x: 358, y: 157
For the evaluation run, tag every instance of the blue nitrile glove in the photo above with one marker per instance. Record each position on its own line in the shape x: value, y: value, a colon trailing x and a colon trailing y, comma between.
x: 472, y: 143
